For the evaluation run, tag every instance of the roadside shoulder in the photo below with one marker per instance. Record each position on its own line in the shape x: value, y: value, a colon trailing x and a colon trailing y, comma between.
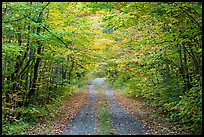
x: 147, y: 115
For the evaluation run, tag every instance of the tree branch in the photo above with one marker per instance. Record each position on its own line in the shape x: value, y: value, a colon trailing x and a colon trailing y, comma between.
x: 53, y: 34
x: 189, y: 15
x: 42, y: 11
x: 13, y: 20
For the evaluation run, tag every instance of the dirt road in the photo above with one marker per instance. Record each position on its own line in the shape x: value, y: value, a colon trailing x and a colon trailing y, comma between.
x: 85, y: 122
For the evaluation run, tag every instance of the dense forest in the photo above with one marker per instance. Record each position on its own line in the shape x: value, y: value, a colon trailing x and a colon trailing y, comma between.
x: 150, y: 50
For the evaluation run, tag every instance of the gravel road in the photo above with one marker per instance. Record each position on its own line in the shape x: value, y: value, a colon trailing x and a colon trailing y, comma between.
x: 98, y: 81
x: 122, y: 122
x: 84, y: 123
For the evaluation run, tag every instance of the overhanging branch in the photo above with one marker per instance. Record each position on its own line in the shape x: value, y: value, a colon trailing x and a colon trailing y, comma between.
x: 189, y: 15
x: 53, y: 34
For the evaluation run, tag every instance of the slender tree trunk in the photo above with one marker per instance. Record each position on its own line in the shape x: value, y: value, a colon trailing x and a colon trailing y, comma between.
x: 70, y: 71
x: 38, y: 60
x: 3, y: 73
x: 167, y: 68
x: 181, y: 67
x: 187, y: 82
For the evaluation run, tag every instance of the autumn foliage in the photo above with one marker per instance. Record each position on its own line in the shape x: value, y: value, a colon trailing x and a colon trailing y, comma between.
x: 150, y: 50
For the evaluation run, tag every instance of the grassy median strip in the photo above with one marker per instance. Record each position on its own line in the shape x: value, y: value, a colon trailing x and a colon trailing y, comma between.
x: 104, y: 125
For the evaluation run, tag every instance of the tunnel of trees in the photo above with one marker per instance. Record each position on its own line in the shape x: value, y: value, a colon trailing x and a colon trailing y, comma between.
x: 152, y: 50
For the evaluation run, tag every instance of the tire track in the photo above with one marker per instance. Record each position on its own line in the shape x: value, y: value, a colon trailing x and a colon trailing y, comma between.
x: 84, y: 123
x: 121, y: 122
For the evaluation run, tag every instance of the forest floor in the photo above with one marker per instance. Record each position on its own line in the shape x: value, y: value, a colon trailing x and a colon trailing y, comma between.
x: 84, y: 123
x: 53, y: 125
x: 157, y: 122
x: 128, y: 116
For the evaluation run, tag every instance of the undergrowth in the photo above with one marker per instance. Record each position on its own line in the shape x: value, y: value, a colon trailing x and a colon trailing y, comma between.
x: 183, y: 109
x: 16, y: 120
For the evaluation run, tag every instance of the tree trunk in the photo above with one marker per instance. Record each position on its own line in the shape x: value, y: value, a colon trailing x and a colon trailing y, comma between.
x: 70, y: 71
x: 181, y: 67
x: 187, y: 82
x: 38, y: 60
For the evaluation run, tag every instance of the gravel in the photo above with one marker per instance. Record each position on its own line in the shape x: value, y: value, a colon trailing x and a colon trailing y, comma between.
x: 98, y: 81
x: 121, y: 122
x: 85, y: 122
